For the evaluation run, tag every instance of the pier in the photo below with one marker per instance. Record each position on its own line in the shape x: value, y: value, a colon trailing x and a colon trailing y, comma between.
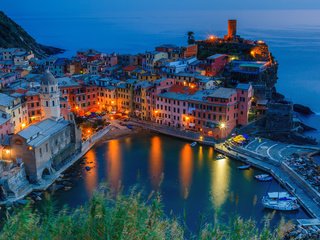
x: 282, y: 174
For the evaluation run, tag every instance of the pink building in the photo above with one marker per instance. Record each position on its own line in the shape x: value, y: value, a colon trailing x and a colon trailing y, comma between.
x: 244, y: 95
x: 215, y: 64
x: 172, y: 106
x: 213, y: 112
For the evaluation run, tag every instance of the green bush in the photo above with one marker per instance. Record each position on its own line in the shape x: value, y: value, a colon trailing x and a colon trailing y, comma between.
x: 107, y: 216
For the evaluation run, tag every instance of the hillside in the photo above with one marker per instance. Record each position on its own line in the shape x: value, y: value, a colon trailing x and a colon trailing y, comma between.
x: 12, y: 35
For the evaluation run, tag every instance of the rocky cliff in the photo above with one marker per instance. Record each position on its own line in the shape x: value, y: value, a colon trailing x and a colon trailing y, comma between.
x: 12, y: 35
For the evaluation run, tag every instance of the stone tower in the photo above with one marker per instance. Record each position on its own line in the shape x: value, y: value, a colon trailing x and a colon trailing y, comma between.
x: 49, y: 96
x: 232, y: 28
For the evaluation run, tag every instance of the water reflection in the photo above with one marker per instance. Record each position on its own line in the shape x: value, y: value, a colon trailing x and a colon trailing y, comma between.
x: 156, y: 162
x: 91, y: 177
x: 114, y: 164
x: 210, y: 153
x: 200, y: 156
x: 220, y: 180
x: 248, y: 174
x: 185, y: 169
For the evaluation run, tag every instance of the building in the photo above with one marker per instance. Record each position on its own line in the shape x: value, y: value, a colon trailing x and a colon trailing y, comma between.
x: 153, y: 57
x: 44, y: 146
x: 5, y: 126
x: 16, y: 108
x: 245, y: 96
x: 33, y: 106
x: 49, y: 96
x: 215, y: 64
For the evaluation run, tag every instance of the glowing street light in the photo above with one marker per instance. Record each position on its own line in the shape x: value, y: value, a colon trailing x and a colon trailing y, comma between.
x: 23, y: 125
x: 212, y: 37
x: 222, y: 125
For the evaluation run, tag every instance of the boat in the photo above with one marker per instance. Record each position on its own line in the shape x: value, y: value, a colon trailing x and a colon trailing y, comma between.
x: 193, y: 144
x: 282, y: 201
x: 244, y: 167
x: 220, y: 157
x: 263, y: 177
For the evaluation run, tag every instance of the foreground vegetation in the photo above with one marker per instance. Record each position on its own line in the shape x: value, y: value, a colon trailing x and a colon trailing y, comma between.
x: 120, y: 217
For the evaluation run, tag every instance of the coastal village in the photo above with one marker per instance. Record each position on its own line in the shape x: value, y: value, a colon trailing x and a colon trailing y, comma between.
x: 219, y: 91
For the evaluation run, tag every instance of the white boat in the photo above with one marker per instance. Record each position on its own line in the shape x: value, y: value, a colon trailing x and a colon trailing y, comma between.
x: 282, y: 201
x: 244, y: 167
x: 193, y: 144
x: 220, y: 157
x: 263, y: 177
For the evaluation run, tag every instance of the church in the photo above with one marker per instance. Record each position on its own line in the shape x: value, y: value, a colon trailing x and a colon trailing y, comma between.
x: 45, y: 146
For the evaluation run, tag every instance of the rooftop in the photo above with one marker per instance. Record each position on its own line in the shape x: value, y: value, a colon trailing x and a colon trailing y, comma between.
x: 243, y: 86
x: 37, y: 133
x: 215, y: 56
x: 5, y: 100
x: 223, y: 93
x: 4, y: 117
x: 48, y: 79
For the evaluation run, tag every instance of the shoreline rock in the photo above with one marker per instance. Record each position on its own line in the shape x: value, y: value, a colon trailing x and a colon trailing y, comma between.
x: 302, y: 109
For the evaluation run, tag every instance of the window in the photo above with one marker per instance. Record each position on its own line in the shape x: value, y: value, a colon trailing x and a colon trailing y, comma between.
x: 40, y: 152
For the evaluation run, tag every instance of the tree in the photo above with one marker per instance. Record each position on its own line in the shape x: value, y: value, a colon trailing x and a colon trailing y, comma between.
x: 191, y: 39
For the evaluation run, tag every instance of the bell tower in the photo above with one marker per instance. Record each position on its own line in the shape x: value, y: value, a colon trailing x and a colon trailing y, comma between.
x: 49, y: 96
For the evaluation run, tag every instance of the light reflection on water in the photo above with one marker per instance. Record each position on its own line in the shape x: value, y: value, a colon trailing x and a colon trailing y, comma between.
x: 155, y: 162
x: 220, y: 178
x: 194, y: 183
x: 186, y: 169
x: 91, y: 179
x: 114, y: 164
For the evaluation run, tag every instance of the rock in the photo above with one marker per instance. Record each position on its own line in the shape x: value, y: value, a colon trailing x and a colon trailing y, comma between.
x: 67, y: 188
x: 307, y: 128
x: 55, y: 187
x: 13, y: 35
x: 22, y: 202
x: 38, y: 198
x: 66, y: 183
x: 302, y: 109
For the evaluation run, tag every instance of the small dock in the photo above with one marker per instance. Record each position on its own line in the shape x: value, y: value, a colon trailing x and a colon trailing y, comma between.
x: 309, y: 203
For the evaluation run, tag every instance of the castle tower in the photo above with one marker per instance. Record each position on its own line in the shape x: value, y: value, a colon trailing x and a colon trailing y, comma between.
x: 49, y: 96
x: 232, y: 28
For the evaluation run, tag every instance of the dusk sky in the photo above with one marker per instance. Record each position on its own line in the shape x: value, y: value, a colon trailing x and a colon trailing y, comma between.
x: 76, y: 7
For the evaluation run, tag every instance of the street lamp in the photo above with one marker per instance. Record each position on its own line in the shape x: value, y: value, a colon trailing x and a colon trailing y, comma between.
x: 222, y: 125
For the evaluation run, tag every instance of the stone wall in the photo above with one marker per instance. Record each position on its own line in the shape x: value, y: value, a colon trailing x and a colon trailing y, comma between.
x: 279, y: 117
x: 13, y: 182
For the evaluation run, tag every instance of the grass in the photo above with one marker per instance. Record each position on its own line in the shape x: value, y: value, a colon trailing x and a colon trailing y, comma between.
x: 109, y: 216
